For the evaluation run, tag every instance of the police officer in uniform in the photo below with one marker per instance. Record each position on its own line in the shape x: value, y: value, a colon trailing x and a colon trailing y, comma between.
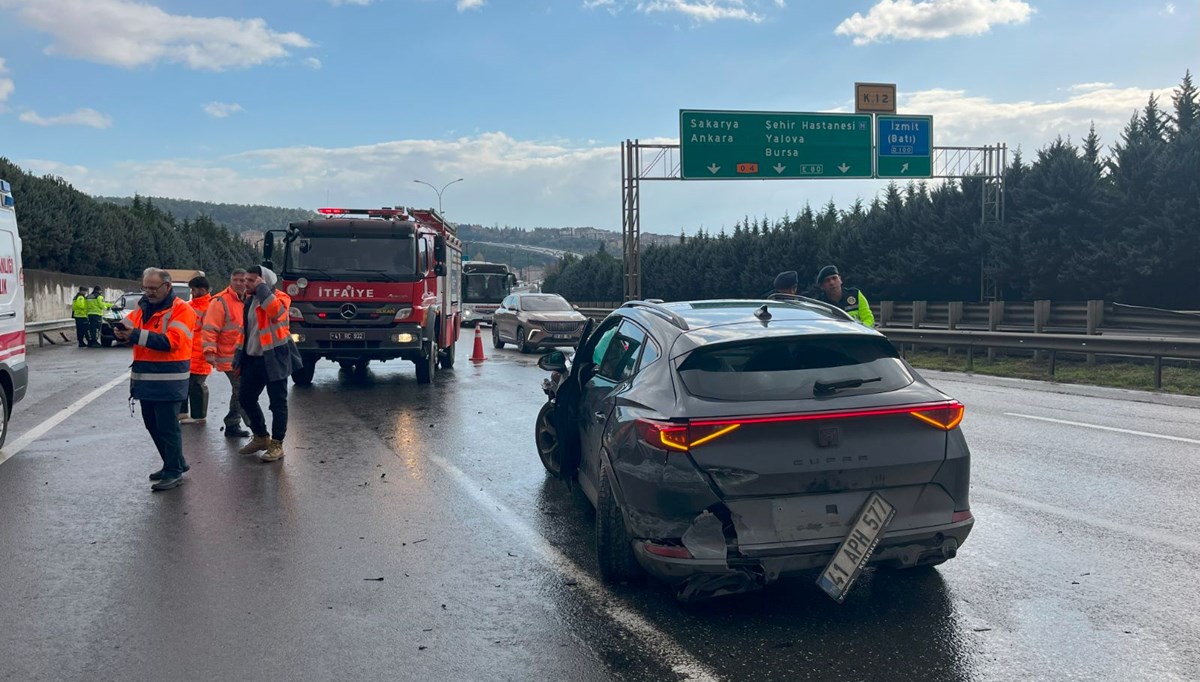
x: 849, y: 299
x: 787, y: 282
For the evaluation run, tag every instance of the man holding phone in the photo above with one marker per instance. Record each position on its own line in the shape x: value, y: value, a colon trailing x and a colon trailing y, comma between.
x: 266, y: 358
x: 160, y: 330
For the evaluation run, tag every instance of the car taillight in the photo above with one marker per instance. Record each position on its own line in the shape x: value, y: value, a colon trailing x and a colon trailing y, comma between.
x: 961, y: 516
x: 680, y: 437
x: 945, y: 416
x: 294, y: 315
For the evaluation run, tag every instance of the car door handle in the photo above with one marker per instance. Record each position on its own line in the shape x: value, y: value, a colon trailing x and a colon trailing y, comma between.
x: 8, y: 313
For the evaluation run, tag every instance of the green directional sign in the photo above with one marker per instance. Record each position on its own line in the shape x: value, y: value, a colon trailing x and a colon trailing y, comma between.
x: 905, y: 146
x: 772, y: 145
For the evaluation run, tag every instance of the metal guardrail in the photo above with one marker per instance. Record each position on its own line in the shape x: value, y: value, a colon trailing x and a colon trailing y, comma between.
x: 44, y: 329
x: 1156, y: 347
x: 1043, y: 316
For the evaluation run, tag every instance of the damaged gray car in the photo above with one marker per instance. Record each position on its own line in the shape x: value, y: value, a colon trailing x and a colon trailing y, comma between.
x: 726, y: 444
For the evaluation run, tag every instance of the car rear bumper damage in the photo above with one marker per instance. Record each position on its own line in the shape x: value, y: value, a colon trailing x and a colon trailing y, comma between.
x: 708, y: 574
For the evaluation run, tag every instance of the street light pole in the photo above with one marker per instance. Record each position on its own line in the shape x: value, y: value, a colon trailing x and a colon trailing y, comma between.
x: 439, y: 192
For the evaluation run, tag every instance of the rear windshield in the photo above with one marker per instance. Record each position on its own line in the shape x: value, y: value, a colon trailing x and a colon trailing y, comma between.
x: 544, y: 304
x: 794, y: 368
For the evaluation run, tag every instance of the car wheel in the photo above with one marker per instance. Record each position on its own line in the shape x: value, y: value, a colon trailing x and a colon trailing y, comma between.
x: 521, y: 344
x: 346, y: 365
x: 427, y: 366
x: 614, y: 549
x: 108, y: 342
x: 304, y: 375
x: 496, y: 342
x: 548, y: 445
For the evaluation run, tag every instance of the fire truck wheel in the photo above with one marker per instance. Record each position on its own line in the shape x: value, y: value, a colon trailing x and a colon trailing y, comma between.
x: 427, y: 365
x: 446, y: 357
x: 496, y: 342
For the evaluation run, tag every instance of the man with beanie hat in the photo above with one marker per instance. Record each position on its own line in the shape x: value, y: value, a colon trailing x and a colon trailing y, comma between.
x: 266, y: 358
x: 849, y: 299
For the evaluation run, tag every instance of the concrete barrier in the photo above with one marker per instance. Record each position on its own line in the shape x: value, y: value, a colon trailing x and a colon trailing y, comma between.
x: 48, y: 295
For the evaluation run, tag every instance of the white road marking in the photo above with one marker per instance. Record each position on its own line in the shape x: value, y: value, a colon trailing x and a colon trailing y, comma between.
x: 1152, y: 535
x: 653, y: 638
x: 40, y: 430
x: 1163, y: 436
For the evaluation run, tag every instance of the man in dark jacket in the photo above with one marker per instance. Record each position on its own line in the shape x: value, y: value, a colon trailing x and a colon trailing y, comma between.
x: 266, y: 358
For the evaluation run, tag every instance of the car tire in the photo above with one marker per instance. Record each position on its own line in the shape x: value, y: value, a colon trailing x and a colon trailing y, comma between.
x: 496, y: 342
x: 427, y: 366
x: 346, y: 365
x: 545, y: 437
x: 304, y: 375
x: 614, y: 548
x: 108, y: 343
x: 521, y: 345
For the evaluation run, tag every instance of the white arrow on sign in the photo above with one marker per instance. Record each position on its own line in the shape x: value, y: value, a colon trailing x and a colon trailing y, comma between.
x: 779, y: 168
x: 904, y: 169
x: 713, y: 168
x: 843, y: 168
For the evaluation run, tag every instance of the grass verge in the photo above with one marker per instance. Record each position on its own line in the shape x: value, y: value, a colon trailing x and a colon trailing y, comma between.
x: 1106, y: 372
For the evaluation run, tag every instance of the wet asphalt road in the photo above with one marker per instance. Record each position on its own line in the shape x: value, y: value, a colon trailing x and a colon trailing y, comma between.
x: 1080, y: 567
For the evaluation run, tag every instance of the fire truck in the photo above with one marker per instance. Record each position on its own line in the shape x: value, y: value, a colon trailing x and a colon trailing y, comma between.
x: 370, y: 285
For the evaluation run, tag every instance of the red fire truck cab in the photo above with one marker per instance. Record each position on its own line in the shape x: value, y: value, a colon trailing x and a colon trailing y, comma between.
x: 371, y: 285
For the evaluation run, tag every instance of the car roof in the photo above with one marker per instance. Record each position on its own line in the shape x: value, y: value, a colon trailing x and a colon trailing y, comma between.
x: 699, y: 323
x: 531, y: 294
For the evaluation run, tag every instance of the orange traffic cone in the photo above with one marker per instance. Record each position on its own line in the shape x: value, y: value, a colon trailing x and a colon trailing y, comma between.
x: 477, y: 355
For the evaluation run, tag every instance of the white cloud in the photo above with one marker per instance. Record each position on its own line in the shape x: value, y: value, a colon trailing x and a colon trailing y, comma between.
x: 132, y: 34
x: 464, y: 5
x: 1084, y: 87
x: 1170, y: 8
x: 313, y: 63
x: 339, y: 3
x: 931, y: 19
x: 221, y: 109
x: 79, y: 117
x: 6, y: 84
x: 703, y: 10
x: 966, y: 119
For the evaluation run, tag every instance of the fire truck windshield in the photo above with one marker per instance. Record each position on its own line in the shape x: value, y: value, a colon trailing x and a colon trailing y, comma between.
x: 365, y: 257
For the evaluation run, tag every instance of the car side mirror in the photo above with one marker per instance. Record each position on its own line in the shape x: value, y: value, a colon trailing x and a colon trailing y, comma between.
x: 439, y: 250
x: 439, y: 269
x: 554, y: 361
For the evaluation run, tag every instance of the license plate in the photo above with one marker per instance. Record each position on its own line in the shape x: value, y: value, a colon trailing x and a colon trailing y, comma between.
x: 347, y: 336
x: 561, y: 336
x: 856, y: 548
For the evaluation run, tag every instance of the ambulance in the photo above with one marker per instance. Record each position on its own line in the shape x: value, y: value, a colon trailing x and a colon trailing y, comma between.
x: 14, y: 374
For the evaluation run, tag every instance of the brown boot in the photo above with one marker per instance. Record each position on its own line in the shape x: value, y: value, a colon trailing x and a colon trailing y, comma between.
x: 256, y: 444
x: 274, y: 451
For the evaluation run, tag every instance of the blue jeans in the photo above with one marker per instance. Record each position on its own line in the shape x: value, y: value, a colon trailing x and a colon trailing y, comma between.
x: 162, y: 421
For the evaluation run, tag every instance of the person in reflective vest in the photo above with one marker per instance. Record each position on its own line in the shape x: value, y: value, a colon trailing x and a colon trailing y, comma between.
x: 160, y: 330
x: 266, y: 358
x: 96, y: 305
x: 79, y: 313
x: 221, y: 334
x: 847, y: 298
x: 194, y: 410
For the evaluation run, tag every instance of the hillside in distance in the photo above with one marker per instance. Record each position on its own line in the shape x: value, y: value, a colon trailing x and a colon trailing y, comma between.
x: 238, y: 218
x: 582, y: 240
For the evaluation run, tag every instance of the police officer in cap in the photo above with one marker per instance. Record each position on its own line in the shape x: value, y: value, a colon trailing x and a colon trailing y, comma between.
x: 849, y: 299
x: 787, y: 283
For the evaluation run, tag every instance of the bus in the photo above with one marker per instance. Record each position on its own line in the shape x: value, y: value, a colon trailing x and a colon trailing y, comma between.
x: 484, y: 286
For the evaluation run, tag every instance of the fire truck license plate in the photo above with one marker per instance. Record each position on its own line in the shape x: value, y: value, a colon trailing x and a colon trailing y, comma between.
x: 347, y: 336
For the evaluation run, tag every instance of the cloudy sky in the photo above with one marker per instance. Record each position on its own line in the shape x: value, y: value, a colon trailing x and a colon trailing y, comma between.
x: 347, y: 102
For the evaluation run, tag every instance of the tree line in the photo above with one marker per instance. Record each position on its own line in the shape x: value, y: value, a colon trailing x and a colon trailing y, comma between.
x: 65, y: 230
x: 237, y: 218
x: 1080, y: 223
